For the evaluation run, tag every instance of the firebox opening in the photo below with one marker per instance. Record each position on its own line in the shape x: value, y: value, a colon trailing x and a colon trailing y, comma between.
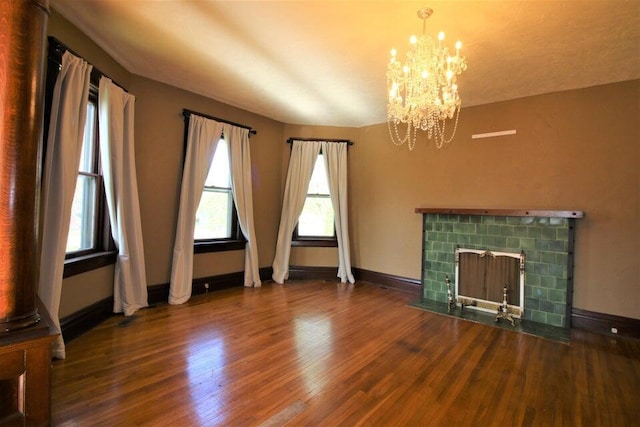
x: 482, y: 275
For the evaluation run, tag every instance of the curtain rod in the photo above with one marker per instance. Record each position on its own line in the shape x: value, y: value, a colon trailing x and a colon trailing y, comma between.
x: 95, y: 71
x: 290, y: 140
x: 186, y: 112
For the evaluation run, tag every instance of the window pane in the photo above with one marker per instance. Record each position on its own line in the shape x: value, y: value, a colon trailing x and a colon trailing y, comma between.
x: 86, y: 156
x: 213, y: 217
x: 316, y: 218
x: 219, y: 175
x: 319, y: 183
x: 82, y: 226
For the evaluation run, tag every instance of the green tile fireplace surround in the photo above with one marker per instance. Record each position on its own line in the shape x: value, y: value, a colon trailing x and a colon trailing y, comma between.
x: 546, y: 238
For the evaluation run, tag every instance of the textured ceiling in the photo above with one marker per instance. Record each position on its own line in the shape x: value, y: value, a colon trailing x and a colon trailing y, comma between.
x: 324, y: 62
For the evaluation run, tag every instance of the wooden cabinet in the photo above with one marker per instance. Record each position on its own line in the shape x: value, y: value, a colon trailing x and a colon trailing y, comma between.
x: 25, y: 374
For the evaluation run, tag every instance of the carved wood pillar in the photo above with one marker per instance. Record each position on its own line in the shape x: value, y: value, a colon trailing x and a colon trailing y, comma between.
x: 26, y: 333
x: 22, y: 52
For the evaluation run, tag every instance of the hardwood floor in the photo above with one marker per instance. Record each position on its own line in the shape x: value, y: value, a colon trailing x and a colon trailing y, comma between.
x: 321, y: 353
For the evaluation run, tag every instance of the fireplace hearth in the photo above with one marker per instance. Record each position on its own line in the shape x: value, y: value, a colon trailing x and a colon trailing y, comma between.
x: 543, y: 294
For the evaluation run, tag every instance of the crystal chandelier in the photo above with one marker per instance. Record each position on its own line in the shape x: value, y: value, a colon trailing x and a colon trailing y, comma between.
x: 423, y: 94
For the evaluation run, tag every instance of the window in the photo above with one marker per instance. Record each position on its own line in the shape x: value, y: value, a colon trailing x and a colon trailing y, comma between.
x: 217, y: 225
x: 214, y: 215
x: 83, y: 228
x: 316, y: 222
x: 89, y: 243
x: 89, y: 237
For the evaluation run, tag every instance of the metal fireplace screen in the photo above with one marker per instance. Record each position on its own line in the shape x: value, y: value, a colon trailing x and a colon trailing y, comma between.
x: 481, y: 276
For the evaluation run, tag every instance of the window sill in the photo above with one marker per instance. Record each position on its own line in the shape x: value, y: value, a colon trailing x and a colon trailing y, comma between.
x: 85, y: 263
x: 316, y: 243
x: 204, y: 247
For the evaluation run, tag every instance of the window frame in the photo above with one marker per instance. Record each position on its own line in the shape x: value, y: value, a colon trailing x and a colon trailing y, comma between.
x: 104, y: 251
x: 237, y: 241
x: 315, y: 241
x: 102, y: 231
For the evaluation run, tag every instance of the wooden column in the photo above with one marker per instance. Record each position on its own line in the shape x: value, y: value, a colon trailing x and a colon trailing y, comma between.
x: 25, y: 331
x: 22, y: 53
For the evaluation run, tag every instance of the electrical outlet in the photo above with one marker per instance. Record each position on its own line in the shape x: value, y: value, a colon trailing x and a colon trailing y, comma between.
x: 614, y: 330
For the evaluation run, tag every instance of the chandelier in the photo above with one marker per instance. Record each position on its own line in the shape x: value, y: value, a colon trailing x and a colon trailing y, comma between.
x: 423, y: 94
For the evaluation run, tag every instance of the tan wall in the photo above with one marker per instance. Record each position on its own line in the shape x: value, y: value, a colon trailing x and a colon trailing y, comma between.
x: 159, y: 157
x: 573, y: 150
x: 82, y: 290
x: 82, y: 45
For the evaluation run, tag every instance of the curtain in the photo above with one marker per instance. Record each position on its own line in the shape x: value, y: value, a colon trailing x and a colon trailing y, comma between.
x: 202, y: 139
x: 238, y: 139
x: 335, y: 155
x: 116, y: 125
x: 303, y: 159
x: 64, y: 146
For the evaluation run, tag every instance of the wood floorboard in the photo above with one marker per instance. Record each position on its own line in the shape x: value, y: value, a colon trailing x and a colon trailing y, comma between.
x: 323, y: 353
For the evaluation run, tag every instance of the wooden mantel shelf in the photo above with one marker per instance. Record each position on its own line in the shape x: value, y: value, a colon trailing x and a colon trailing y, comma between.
x: 502, y: 212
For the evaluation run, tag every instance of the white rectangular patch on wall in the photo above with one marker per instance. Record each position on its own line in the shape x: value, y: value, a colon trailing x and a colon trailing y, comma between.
x: 493, y: 134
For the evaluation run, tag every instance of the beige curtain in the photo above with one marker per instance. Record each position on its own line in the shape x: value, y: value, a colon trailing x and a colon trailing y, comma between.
x: 116, y: 125
x: 64, y: 146
x: 303, y: 159
x: 241, y: 184
x: 335, y: 154
x: 202, y: 139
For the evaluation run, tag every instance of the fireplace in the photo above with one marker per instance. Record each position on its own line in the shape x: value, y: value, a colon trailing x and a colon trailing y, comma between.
x: 544, y: 238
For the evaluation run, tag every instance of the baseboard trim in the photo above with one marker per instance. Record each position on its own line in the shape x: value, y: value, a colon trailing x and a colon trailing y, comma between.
x: 302, y: 272
x: 86, y: 319
x: 602, y: 323
x: 404, y: 284
x: 298, y: 272
x: 160, y: 293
